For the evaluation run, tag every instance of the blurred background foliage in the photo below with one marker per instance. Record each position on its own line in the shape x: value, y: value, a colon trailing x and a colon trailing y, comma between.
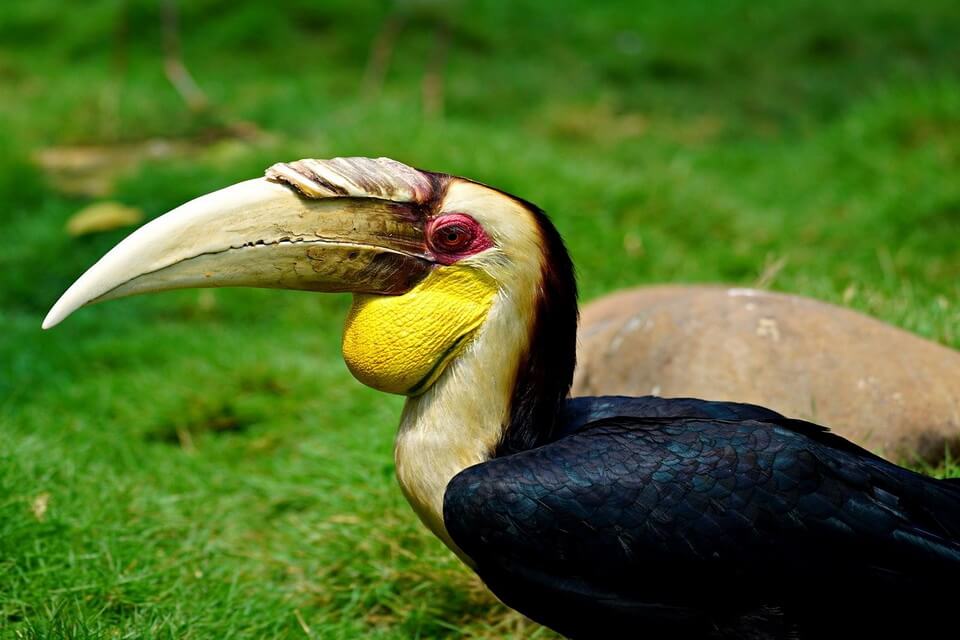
x: 200, y: 464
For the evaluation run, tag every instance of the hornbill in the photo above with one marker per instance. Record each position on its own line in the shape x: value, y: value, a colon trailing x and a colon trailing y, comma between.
x: 599, y: 517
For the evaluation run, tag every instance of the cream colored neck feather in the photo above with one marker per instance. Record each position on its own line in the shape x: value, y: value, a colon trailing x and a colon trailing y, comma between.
x: 459, y: 420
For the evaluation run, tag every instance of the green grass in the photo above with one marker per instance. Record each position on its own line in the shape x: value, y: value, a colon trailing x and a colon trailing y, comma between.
x: 201, y: 464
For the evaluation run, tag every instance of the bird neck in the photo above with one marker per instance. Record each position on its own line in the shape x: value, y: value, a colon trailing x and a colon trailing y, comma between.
x: 459, y: 421
x: 503, y: 394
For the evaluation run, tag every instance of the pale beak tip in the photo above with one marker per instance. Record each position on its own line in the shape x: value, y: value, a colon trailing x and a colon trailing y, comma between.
x: 56, y: 315
x: 52, y: 320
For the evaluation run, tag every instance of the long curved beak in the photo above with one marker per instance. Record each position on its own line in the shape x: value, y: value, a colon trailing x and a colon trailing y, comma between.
x: 260, y: 233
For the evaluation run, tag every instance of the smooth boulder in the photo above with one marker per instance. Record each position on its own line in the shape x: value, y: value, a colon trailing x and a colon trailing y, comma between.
x: 881, y: 387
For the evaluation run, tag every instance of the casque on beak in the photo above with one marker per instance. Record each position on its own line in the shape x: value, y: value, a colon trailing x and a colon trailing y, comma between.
x: 261, y: 233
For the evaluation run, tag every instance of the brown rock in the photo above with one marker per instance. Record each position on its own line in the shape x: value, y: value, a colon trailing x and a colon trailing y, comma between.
x: 879, y: 386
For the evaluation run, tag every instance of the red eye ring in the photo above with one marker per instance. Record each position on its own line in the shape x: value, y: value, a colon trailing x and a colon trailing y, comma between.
x: 454, y: 236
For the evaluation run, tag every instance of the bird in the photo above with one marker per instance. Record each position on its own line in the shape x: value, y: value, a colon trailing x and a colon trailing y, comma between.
x: 599, y: 517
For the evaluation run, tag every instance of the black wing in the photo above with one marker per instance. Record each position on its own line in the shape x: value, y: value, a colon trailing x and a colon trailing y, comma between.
x: 579, y: 412
x: 730, y: 526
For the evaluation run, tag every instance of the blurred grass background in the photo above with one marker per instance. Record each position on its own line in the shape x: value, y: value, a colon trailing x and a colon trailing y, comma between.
x: 200, y: 464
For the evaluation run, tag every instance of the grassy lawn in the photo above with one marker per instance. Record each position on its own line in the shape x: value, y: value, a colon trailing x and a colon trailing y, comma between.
x: 202, y: 465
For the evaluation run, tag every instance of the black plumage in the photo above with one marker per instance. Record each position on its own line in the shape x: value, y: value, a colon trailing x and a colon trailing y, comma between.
x: 650, y: 516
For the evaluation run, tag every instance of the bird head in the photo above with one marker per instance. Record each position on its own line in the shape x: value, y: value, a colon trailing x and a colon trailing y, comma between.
x: 430, y: 258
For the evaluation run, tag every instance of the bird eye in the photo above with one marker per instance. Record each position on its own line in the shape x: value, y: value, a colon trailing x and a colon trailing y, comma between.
x: 452, y: 237
x: 456, y: 235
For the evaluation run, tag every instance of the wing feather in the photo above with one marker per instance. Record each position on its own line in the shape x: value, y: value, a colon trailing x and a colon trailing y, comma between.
x: 709, y: 517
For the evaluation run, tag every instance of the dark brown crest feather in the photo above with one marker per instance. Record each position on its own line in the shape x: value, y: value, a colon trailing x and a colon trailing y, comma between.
x: 545, y: 371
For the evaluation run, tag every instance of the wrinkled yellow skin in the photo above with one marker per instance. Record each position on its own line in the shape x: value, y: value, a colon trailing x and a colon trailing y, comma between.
x: 401, y: 344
